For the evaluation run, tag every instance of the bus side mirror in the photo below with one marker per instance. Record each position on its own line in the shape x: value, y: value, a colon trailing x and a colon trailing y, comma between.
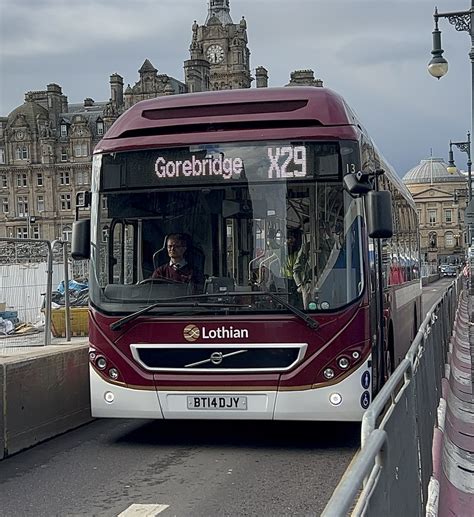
x: 81, y: 239
x: 379, y: 214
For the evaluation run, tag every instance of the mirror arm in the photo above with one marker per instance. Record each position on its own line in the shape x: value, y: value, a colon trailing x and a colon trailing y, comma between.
x: 362, y: 182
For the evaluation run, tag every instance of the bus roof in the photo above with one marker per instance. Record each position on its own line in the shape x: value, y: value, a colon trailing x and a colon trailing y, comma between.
x: 253, y: 114
x: 233, y: 110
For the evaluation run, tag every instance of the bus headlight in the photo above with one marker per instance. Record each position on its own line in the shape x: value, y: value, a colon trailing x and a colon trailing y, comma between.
x: 343, y: 363
x: 328, y: 373
x: 335, y: 399
x: 101, y: 363
x: 356, y: 355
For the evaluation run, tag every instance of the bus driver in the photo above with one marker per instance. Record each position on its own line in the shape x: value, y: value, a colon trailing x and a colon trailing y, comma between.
x: 177, y: 269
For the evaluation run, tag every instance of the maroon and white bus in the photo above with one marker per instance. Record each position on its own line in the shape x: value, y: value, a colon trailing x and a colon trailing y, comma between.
x: 264, y: 330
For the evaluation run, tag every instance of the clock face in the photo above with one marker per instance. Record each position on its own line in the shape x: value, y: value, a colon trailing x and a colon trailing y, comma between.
x: 20, y: 135
x: 215, y: 54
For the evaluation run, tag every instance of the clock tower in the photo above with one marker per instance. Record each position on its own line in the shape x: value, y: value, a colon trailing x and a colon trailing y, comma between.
x: 220, y: 57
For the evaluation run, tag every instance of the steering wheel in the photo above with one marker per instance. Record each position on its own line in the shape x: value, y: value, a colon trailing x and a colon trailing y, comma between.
x: 159, y: 280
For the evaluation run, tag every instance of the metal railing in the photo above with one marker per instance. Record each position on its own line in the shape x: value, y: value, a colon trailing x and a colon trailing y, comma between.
x: 391, y: 472
x: 27, y: 270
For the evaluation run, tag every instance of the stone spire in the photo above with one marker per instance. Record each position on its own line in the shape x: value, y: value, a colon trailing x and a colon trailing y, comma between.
x: 219, y: 9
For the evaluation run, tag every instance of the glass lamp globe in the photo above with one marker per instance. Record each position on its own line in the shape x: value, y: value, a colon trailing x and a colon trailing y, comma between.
x: 438, y: 67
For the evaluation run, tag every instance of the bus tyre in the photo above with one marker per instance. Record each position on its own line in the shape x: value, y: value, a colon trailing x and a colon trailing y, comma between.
x: 389, y: 364
x: 415, y: 325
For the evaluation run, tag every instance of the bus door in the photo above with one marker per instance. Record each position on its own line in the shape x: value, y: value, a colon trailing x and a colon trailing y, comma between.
x: 377, y: 319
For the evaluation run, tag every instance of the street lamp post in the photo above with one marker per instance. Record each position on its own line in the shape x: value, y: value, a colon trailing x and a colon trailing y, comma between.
x: 464, y: 147
x: 438, y: 67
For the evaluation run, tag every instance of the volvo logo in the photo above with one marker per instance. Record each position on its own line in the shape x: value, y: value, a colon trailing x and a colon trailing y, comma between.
x: 191, y: 333
x: 216, y: 358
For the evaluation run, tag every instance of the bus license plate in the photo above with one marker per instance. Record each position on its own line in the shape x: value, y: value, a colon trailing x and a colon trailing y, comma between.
x: 217, y: 402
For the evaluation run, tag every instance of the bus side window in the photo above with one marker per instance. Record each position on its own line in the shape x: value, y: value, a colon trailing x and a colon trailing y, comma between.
x: 396, y: 275
x: 122, y: 253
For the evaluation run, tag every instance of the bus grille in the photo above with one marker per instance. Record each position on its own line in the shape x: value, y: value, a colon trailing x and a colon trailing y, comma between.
x: 215, y: 358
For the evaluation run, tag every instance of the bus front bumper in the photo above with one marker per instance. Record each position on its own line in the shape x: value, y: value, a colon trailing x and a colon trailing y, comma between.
x: 344, y: 401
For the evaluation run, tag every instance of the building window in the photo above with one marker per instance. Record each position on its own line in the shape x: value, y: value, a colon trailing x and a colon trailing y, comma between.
x: 35, y: 233
x: 448, y: 240
x: 65, y: 201
x: 105, y: 234
x: 448, y: 216
x: 63, y: 130
x: 100, y: 128
x: 64, y: 178
x: 21, y: 153
x: 67, y: 233
x: 40, y: 203
x: 22, y: 206
x: 80, y: 150
x: 22, y: 232
x: 82, y: 178
x: 432, y: 217
x: 4, y: 205
x: 3, y: 181
x: 64, y: 154
x: 2, y: 155
x: 39, y: 179
x: 21, y: 180
x: 419, y: 215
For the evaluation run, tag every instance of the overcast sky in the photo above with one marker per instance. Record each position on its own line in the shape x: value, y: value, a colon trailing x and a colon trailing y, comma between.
x: 373, y: 52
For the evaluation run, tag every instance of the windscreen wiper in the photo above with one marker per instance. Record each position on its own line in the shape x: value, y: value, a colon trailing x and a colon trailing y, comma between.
x: 116, y: 325
x: 313, y: 324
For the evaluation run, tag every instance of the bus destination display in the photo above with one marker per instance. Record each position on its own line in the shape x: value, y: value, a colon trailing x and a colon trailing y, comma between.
x: 282, y: 162
x: 224, y: 163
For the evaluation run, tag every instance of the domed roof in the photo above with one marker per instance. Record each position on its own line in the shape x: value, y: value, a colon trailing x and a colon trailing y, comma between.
x: 30, y: 111
x: 432, y: 170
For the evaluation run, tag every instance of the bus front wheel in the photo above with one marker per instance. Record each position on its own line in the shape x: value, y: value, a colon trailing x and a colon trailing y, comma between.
x: 389, y: 360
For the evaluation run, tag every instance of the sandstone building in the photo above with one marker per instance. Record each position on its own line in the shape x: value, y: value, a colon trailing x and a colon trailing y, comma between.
x: 440, y: 199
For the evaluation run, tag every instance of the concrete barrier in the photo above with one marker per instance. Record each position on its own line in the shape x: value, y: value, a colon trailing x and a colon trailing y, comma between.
x: 44, y: 393
x: 429, y: 279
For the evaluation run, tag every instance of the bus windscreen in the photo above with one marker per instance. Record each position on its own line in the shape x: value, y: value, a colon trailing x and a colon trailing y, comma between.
x: 260, y: 218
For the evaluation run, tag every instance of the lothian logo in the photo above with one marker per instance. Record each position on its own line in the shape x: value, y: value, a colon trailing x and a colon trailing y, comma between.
x: 191, y: 333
